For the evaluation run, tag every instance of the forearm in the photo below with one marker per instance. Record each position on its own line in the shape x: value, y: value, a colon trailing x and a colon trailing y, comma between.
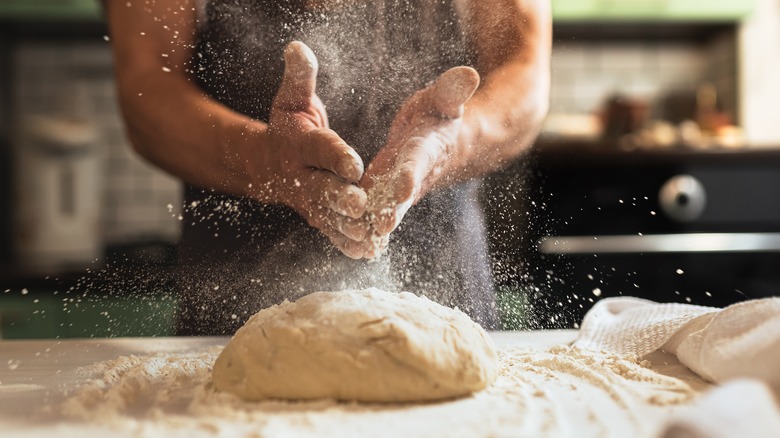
x: 170, y: 121
x: 504, y: 116
x: 503, y: 119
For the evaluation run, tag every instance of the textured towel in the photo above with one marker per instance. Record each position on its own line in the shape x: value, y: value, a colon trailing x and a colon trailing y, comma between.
x: 739, y: 408
x: 742, y: 340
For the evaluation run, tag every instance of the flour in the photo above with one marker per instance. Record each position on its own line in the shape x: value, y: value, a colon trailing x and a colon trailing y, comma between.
x: 138, y: 387
x: 560, y: 391
x: 382, y: 207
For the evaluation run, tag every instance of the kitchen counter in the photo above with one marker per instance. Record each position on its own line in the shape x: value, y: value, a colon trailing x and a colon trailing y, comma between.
x: 533, y: 395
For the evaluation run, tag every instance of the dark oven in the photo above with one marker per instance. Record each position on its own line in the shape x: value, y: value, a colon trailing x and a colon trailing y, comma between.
x: 699, y: 227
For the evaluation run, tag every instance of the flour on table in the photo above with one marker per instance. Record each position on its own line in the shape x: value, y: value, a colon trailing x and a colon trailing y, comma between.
x: 363, y: 345
x: 560, y: 391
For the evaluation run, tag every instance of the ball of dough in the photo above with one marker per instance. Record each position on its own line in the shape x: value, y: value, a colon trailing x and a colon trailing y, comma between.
x: 364, y: 345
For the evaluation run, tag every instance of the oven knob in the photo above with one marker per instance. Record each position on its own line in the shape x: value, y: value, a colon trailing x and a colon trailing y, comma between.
x: 683, y: 198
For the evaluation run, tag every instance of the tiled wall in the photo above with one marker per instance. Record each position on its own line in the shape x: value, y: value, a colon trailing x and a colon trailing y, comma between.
x: 64, y: 79
x: 759, y: 48
x: 721, y: 70
x: 585, y: 74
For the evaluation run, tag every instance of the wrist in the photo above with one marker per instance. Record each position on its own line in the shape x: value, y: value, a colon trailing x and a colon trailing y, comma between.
x: 245, y: 146
x: 462, y: 154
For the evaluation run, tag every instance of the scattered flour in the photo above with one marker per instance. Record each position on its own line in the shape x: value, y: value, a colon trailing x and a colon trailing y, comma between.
x: 382, y: 207
x: 560, y: 391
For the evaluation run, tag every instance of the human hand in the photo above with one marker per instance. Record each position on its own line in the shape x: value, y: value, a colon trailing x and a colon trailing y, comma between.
x: 423, y: 136
x: 307, y: 166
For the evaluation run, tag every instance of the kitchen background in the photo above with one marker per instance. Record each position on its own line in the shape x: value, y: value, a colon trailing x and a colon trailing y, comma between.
x: 642, y: 91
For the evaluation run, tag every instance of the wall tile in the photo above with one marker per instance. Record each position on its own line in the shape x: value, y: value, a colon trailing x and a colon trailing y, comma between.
x: 585, y: 74
x: 49, y: 78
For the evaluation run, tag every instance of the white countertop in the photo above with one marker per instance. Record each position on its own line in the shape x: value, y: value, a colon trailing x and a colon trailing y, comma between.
x: 37, y: 377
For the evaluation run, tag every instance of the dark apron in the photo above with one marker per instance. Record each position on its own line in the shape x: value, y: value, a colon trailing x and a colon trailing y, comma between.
x: 238, y: 256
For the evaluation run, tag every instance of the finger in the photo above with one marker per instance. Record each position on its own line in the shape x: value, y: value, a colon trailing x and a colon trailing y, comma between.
x: 350, y: 248
x: 321, y: 217
x: 388, y: 216
x: 379, y: 168
x: 381, y: 189
x: 343, y: 198
x: 394, y: 193
x: 324, y: 149
x: 347, y: 200
x: 299, y: 80
x: 452, y: 89
x: 354, y: 229
x: 419, y: 158
x: 375, y: 246
x: 386, y: 221
x: 339, y: 206
x: 355, y: 250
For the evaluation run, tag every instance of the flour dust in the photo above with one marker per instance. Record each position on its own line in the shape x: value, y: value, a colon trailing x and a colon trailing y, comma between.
x: 237, y: 256
x: 561, y: 391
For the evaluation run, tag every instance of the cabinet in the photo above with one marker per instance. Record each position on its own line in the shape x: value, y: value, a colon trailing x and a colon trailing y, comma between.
x: 40, y: 314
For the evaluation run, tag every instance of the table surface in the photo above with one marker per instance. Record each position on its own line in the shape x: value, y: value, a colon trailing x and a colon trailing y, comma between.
x: 37, y: 376
x: 47, y: 364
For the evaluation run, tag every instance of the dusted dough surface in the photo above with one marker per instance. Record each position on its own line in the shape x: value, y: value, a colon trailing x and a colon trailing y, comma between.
x: 366, y: 345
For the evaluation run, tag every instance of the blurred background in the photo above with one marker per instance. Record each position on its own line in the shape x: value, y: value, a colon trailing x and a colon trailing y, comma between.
x: 657, y: 173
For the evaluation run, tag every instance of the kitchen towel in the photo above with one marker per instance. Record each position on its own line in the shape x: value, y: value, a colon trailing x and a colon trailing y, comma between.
x: 739, y: 408
x: 741, y: 340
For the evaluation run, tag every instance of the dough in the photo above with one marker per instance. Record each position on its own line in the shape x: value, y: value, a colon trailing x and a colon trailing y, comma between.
x: 365, y: 345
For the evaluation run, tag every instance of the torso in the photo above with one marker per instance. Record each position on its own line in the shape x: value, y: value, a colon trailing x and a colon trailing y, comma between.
x: 372, y: 56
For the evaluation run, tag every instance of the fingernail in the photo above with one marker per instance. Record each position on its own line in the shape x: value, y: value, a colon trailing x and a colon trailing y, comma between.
x: 354, y: 202
x: 353, y: 250
x: 382, y: 223
x: 302, y: 52
x: 351, y: 167
x: 354, y: 229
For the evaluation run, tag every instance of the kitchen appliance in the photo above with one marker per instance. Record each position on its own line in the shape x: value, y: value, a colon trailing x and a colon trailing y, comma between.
x: 678, y: 225
x: 57, y: 193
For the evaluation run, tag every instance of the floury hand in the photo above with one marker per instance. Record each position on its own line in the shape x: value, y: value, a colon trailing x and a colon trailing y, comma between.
x: 307, y: 166
x: 424, y: 136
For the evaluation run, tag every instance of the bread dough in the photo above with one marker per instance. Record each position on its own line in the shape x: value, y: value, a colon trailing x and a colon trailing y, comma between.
x: 364, y: 345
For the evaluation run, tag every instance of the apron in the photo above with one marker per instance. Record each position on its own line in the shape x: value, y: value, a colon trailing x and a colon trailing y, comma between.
x: 238, y: 256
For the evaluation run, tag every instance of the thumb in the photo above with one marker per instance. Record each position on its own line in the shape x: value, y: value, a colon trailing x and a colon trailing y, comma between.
x: 452, y: 89
x: 299, y: 80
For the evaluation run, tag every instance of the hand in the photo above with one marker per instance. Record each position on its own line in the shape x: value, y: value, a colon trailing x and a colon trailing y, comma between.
x: 307, y: 166
x: 423, y: 136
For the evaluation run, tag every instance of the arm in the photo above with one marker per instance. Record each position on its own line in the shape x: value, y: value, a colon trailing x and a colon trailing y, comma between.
x: 293, y: 160
x: 455, y: 129
x: 505, y: 115
x: 169, y: 120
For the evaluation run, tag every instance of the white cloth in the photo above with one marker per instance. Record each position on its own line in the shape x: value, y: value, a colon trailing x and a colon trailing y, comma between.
x: 741, y: 340
x: 739, y: 408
